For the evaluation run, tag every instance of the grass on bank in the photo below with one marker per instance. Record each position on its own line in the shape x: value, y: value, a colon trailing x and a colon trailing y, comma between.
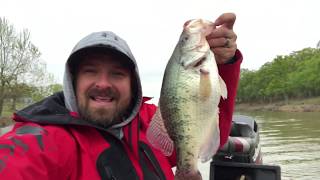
x: 295, y: 105
x: 310, y: 101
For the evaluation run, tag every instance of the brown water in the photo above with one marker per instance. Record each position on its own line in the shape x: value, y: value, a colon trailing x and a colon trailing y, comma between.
x: 292, y: 141
x: 289, y: 140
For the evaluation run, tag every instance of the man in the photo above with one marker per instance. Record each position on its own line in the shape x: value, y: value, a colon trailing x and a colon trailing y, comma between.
x: 96, y: 128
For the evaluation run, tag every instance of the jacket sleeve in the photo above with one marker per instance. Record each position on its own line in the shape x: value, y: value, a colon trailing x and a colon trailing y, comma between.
x: 230, y: 73
x: 31, y: 151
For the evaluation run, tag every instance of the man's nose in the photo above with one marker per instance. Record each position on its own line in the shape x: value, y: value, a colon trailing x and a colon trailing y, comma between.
x: 103, y: 81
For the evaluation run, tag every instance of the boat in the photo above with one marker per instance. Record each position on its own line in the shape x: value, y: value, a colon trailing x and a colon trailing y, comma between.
x: 241, y: 157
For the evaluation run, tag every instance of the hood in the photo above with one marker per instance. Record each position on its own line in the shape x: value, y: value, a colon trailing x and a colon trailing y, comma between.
x: 110, y: 41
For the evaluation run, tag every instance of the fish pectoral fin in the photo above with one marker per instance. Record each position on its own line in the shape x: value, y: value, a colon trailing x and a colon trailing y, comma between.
x: 223, y: 87
x: 211, y: 142
x: 157, y: 134
x: 205, y: 85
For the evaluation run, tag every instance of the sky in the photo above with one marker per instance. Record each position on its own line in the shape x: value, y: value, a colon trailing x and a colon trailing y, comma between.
x: 265, y: 28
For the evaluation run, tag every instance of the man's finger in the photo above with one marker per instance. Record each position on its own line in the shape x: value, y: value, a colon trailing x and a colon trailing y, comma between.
x: 226, y: 19
x: 223, y: 54
x: 217, y: 42
x: 221, y: 32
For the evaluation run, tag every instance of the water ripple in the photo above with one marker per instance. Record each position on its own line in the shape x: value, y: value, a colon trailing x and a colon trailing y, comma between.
x: 292, y: 141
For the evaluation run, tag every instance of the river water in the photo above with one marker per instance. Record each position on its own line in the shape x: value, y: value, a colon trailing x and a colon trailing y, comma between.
x: 289, y: 140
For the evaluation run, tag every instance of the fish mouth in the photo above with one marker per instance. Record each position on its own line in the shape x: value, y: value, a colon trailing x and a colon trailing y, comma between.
x: 194, y: 25
x: 194, y: 46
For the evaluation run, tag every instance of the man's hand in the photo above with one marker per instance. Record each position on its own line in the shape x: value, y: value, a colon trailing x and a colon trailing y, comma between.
x: 222, y: 39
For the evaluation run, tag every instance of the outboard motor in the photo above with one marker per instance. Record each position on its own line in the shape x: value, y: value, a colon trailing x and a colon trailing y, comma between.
x: 240, y: 158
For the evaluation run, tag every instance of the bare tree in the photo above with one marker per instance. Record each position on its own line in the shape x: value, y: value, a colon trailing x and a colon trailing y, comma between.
x: 19, y: 61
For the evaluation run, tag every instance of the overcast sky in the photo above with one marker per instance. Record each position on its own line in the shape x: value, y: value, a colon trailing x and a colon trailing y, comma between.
x: 265, y: 28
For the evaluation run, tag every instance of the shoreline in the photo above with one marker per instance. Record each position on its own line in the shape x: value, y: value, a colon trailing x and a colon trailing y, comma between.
x: 303, y: 105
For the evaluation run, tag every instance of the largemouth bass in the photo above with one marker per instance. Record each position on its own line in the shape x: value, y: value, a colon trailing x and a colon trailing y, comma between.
x: 187, y: 118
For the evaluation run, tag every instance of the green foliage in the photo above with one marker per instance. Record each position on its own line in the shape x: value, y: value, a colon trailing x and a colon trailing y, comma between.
x: 287, y: 77
x: 39, y: 93
x: 21, y: 68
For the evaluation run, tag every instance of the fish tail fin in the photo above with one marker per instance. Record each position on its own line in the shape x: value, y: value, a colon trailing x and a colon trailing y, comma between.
x: 212, y: 140
x: 187, y: 174
x: 157, y: 134
x: 223, y: 87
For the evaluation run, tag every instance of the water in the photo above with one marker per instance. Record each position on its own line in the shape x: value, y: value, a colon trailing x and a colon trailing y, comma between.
x: 289, y: 140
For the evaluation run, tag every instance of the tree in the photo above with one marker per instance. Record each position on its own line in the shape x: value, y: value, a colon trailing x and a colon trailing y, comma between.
x: 286, y: 77
x: 40, y: 92
x: 19, y: 61
x: 18, y: 91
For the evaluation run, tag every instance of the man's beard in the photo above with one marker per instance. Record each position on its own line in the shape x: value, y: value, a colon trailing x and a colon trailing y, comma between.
x: 101, y: 116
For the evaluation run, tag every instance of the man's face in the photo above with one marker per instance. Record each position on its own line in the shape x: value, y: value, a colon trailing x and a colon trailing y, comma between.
x: 103, y: 89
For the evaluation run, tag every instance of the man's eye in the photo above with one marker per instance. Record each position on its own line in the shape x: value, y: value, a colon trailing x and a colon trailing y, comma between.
x: 88, y: 70
x: 118, y: 73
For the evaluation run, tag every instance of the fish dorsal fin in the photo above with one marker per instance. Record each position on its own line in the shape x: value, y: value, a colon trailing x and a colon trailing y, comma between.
x: 157, y: 134
x: 211, y: 142
x: 223, y: 87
